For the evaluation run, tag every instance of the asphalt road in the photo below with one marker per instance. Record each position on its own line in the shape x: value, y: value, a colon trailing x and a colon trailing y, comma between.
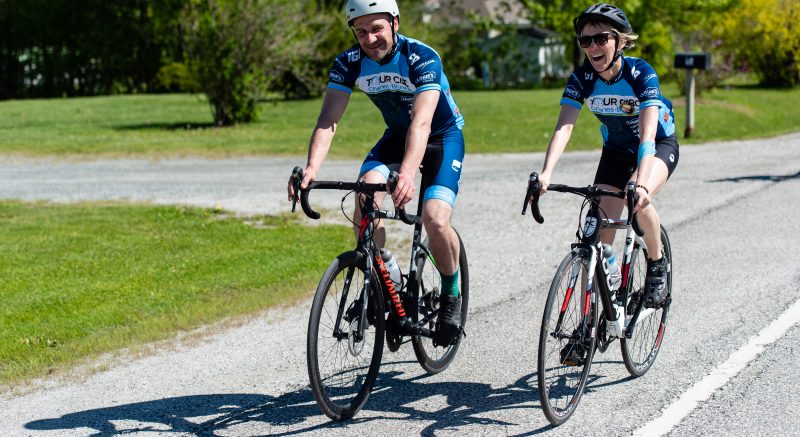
x: 731, y: 211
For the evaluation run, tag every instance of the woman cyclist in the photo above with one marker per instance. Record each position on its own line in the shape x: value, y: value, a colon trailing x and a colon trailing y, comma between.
x: 638, y: 127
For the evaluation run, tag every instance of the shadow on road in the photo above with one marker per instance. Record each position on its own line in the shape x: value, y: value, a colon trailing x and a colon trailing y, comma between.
x: 769, y: 178
x: 397, y: 399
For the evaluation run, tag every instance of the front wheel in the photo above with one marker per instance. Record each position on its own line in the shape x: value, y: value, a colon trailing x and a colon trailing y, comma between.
x: 435, y: 359
x: 567, y: 339
x: 345, y: 339
x: 640, y: 351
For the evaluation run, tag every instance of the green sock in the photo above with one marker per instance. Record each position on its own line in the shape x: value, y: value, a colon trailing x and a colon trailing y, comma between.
x: 450, y: 284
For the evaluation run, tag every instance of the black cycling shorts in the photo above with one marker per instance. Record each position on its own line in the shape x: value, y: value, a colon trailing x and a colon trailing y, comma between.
x: 617, y: 167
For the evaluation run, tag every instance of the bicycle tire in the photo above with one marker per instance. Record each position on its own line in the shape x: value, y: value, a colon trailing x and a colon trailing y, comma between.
x: 436, y: 359
x: 561, y: 385
x: 640, y: 351
x: 342, y: 371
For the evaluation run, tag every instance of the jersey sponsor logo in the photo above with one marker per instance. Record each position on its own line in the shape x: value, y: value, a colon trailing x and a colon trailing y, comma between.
x: 613, y: 104
x: 635, y: 73
x: 381, y: 82
x: 627, y: 106
x: 427, y: 77
x: 413, y: 58
x: 649, y: 76
x: 341, y: 65
x: 407, y: 99
x: 425, y: 64
x: 588, y: 76
x: 336, y: 77
x: 354, y: 56
x: 456, y: 165
x: 571, y: 92
x: 590, y: 226
x: 650, y: 93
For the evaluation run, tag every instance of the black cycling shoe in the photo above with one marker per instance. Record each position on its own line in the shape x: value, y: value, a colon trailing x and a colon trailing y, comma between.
x: 656, y: 283
x: 448, y: 323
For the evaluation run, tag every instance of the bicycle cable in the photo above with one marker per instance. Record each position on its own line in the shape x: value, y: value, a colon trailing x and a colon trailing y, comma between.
x: 586, y: 201
x: 346, y: 216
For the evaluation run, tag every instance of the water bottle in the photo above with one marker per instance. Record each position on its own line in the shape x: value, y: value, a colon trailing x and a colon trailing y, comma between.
x: 611, y: 266
x: 393, y: 268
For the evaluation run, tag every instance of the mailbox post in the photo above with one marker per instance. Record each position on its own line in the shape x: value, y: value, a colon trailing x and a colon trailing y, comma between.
x: 691, y: 62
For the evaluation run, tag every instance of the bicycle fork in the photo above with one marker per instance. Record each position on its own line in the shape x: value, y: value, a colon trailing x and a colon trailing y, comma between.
x: 361, y: 307
x: 587, y: 301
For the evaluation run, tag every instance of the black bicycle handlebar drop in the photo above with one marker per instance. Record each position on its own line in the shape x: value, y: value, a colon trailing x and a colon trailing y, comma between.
x: 359, y: 187
x: 534, y: 186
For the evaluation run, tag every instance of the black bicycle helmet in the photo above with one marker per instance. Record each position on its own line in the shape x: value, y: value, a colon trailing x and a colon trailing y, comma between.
x: 606, y: 13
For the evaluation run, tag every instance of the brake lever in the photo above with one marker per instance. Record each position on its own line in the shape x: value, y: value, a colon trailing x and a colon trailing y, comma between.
x: 633, y: 198
x: 297, y: 179
x: 534, y: 186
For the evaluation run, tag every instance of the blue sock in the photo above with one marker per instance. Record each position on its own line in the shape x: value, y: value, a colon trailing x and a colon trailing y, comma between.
x: 450, y: 284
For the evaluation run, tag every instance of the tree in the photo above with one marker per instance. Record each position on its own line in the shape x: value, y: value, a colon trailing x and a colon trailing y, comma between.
x: 238, y: 48
x: 83, y: 47
x: 765, y: 35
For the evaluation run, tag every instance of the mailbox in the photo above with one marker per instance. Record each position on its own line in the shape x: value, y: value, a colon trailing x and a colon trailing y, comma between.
x: 699, y: 61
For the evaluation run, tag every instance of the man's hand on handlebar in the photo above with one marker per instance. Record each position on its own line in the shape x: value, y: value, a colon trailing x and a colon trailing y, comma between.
x: 309, y: 175
x: 403, y: 191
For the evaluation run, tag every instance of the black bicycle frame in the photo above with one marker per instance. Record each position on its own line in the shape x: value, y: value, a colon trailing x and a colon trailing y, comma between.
x: 589, y: 240
x: 370, y: 213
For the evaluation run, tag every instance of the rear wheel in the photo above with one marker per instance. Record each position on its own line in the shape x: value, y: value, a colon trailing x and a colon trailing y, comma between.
x: 566, y: 339
x: 435, y: 359
x: 640, y: 351
x: 343, y: 365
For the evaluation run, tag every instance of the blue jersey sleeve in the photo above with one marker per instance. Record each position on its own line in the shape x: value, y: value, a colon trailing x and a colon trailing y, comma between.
x: 425, y: 68
x: 345, y: 70
x: 575, y: 92
x: 645, y: 84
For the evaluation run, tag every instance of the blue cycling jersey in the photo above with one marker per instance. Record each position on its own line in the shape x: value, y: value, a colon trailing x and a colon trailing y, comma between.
x: 617, y: 103
x: 414, y: 68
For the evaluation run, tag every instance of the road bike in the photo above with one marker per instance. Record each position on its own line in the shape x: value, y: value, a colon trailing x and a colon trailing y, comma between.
x: 357, y: 305
x: 573, y: 326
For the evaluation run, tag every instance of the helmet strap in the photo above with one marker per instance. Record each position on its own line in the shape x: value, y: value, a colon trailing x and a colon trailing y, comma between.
x: 617, y: 54
x: 386, y: 59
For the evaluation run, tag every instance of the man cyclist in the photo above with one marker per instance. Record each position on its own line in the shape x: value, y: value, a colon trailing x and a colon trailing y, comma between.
x: 404, y: 78
x: 638, y: 128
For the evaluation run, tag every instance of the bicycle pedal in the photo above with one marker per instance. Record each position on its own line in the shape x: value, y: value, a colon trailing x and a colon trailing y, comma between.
x: 450, y: 338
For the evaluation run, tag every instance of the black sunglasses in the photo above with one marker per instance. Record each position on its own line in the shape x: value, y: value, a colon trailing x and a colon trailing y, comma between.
x: 600, y: 39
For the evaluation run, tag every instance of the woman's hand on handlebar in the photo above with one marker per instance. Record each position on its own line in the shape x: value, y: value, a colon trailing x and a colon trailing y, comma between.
x: 644, y: 199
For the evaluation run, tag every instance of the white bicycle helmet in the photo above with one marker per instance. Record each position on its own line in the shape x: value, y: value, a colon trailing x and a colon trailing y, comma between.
x: 358, y: 8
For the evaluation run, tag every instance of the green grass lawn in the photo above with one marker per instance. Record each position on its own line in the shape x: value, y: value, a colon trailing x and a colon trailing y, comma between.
x: 82, y: 279
x: 496, y: 121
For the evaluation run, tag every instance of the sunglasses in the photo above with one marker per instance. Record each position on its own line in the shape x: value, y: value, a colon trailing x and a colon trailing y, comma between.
x: 600, y: 39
